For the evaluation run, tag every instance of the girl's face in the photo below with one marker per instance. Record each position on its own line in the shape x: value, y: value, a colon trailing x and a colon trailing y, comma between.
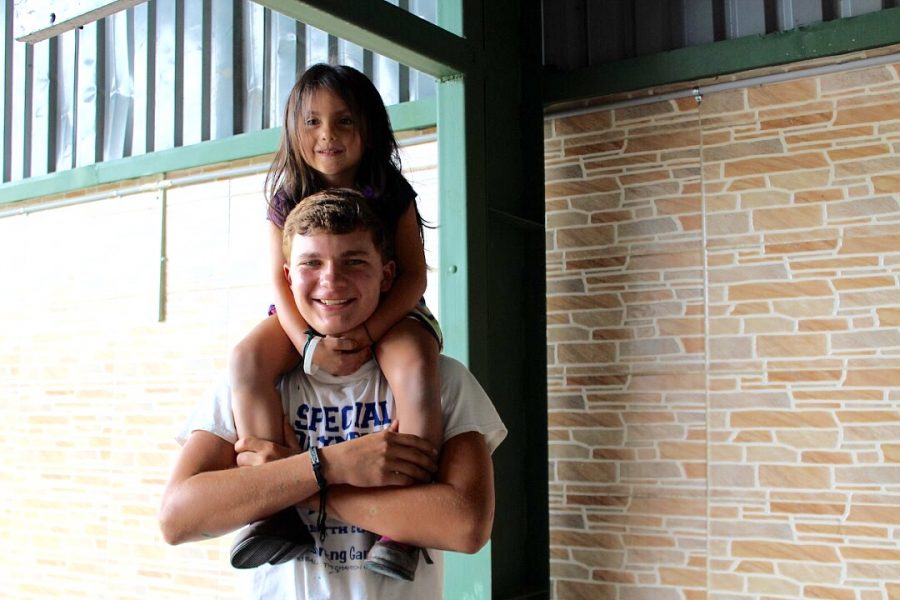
x: 330, y: 142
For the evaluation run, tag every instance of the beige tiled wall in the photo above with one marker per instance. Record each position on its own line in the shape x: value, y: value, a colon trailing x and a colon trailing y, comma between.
x: 724, y: 351
x: 93, y: 387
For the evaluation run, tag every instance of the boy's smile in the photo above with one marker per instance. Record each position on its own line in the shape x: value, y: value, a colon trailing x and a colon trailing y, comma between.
x: 337, y: 279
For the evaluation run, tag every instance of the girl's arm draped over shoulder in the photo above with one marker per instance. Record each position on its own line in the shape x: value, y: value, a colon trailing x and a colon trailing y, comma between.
x: 411, y: 279
x: 288, y: 315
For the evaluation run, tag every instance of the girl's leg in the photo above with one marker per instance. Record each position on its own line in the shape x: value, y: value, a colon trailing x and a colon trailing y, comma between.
x: 256, y: 364
x: 408, y: 357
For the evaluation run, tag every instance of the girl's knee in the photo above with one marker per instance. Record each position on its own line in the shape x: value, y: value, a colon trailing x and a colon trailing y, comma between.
x: 249, y: 365
x: 411, y: 339
x: 263, y: 355
x: 244, y: 356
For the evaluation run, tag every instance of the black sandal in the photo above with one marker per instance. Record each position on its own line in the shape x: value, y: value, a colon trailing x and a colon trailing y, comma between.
x: 275, y: 540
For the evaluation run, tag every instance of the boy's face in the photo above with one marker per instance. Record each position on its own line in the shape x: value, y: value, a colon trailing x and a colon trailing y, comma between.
x: 337, y: 279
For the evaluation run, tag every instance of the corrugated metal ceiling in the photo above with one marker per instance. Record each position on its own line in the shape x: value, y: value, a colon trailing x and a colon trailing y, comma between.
x: 584, y: 33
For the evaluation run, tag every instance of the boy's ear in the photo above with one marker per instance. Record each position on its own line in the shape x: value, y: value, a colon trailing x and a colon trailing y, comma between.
x: 287, y: 274
x: 387, y: 275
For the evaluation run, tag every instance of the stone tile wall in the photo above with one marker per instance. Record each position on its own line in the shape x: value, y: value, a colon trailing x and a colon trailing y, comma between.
x: 724, y: 351
x: 93, y: 387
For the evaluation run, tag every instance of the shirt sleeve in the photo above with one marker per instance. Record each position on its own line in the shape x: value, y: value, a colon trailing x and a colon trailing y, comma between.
x: 212, y: 413
x: 466, y: 407
x: 277, y: 210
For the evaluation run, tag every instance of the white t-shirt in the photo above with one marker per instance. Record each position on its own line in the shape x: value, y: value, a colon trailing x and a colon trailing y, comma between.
x: 324, y: 410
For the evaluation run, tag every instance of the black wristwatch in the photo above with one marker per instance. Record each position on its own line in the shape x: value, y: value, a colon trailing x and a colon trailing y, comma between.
x: 317, y: 467
x: 323, y: 490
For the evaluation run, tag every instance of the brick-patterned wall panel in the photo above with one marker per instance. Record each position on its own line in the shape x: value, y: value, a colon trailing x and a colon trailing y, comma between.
x: 802, y: 196
x: 626, y: 353
x: 723, y: 327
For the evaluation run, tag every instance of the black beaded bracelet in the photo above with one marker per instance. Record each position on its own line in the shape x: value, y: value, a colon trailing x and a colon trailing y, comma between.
x: 310, y: 335
x: 323, y: 490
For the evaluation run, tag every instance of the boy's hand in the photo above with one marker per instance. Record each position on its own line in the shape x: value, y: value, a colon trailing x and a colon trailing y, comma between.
x: 379, y: 459
x: 253, y: 451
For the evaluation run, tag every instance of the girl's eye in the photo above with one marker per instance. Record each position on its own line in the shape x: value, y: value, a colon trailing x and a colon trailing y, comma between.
x: 346, y: 121
x: 311, y: 122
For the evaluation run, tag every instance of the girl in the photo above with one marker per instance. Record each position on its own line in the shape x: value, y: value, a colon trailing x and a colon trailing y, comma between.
x: 337, y: 134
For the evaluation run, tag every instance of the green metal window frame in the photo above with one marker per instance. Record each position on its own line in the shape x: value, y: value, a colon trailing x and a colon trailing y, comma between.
x: 397, y: 33
x: 418, y: 114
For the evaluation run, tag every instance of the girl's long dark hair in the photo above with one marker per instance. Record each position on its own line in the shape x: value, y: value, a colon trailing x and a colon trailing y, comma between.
x: 380, y: 165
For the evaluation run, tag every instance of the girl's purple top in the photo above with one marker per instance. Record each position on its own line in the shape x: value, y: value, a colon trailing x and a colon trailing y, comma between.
x: 389, y: 207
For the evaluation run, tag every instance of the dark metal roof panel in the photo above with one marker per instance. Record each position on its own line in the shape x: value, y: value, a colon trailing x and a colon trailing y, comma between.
x: 584, y: 33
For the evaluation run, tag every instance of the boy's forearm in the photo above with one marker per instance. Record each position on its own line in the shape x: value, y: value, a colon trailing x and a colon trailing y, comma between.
x: 208, y: 500
x: 424, y: 515
x: 456, y: 513
x: 206, y: 496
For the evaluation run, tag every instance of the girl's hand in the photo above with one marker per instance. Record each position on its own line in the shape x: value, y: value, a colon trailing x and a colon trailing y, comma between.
x: 379, y: 459
x: 253, y: 451
x: 340, y: 356
x: 358, y: 336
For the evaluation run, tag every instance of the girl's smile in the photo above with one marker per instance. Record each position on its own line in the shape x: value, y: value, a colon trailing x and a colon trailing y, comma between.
x: 330, y: 141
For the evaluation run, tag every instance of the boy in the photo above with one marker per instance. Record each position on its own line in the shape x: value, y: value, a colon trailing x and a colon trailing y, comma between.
x: 372, y: 479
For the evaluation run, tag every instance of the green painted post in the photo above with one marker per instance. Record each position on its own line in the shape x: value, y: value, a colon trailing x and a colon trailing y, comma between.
x: 462, y: 208
x: 454, y: 283
x: 465, y: 577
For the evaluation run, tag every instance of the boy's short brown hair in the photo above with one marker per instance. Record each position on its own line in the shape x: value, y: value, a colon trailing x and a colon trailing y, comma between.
x: 337, y: 210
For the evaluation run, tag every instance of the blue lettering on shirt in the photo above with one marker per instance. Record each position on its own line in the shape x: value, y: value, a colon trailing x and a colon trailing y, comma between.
x: 346, y: 416
x: 335, y: 424
x: 331, y: 413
